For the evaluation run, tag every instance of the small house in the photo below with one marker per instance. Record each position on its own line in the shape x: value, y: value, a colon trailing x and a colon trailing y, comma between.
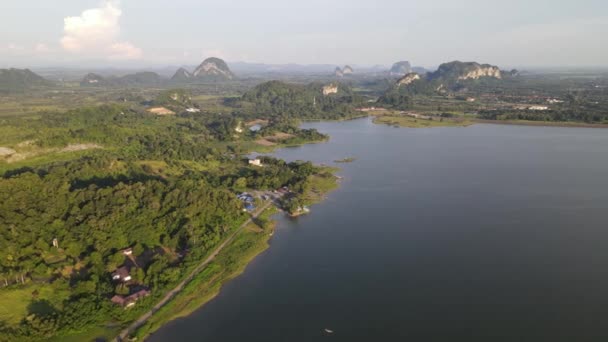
x: 127, y: 251
x: 245, y: 197
x: 121, y: 274
x: 255, y: 162
x: 249, y: 207
x: 130, y: 300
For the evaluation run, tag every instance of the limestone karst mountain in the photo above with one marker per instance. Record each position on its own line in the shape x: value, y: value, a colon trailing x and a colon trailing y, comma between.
x: 213, y: 68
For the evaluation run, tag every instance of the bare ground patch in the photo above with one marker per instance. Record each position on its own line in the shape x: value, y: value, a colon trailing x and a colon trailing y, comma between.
x: 161, y: 111
x: 264, y: 142
x: 79, y: 147
x: 257, y: 122
x: 31, y: 152
x: 277, y: 137
x: 5, y: 151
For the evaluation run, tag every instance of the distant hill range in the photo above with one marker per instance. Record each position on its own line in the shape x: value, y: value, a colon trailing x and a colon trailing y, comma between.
x: 181, y: 75
x: 400, y: 69
x: 448, y: 78
x: 16, y: 80
x: 403, y: 68
x: 145, y: 78
x: 451, y: 74
x: 213, y: 68
x: 346, y: 71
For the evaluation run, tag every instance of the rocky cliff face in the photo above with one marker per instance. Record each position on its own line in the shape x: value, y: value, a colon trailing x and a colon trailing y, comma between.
x: 407, y: 79
x: 458, y: 71
x: 481, y: 71
x: 214, y: 68
x: 448, y: 78
x: 330, y: 89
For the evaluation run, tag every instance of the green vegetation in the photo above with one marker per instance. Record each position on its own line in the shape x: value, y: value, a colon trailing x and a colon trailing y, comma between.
x: 206, y: 285
x: 314, y: 187
x: 87, y: 172
x: 163, y: 186
x: 284, y: 101
x: 138, y: 79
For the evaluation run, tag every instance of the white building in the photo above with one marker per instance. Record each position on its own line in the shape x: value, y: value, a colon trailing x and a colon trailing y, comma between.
x: 255, y: 162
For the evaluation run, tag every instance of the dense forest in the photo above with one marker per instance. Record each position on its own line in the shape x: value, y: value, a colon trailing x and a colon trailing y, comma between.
x: 68, y: 222
x: 161, y: 187
x: 302, y: 102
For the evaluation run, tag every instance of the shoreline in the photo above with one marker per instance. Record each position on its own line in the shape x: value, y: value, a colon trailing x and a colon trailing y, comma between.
x: 541, y: 123
x: 204, y: 286
x: 465, y: 122
x: 170, y: 296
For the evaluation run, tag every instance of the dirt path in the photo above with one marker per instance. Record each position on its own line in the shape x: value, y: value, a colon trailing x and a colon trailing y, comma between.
x: 141, y: 320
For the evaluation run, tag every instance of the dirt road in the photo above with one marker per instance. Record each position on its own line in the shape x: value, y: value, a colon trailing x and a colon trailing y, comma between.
x: 141, y: 320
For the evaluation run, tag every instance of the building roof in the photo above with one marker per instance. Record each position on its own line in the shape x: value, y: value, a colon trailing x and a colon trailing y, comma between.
x: 131, y: 299
x: 122, y: 272
x: 120, y: 300
x: 139, y: 294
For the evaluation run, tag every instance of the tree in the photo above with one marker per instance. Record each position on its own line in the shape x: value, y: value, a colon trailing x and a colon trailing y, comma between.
x: 122, y: 289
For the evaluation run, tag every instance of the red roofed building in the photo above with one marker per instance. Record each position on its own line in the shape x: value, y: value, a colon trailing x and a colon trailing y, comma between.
x: 131, y: 299
x: 121, y: 274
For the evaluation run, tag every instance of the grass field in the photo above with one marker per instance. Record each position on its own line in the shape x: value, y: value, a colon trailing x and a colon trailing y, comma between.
x: 15, y: 302
x: 320, y: 184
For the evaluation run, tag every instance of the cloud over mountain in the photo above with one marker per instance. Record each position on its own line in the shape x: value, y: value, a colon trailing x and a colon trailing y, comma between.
x: 96, y: 32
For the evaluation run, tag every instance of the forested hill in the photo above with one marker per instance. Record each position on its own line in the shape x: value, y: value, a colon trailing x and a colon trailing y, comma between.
x: 312, y: 101
x: 17, y: 80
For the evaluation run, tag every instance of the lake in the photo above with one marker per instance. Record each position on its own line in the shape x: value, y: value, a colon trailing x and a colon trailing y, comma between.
x: 483, y: 233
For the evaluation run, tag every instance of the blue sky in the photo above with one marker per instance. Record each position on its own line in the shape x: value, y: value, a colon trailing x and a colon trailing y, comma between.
x: 427, y: 33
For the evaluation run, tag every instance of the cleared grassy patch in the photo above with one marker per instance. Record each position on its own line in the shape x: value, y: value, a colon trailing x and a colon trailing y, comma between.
x: 16, y: 302
x: 320, y: 184
x: 411, y: 122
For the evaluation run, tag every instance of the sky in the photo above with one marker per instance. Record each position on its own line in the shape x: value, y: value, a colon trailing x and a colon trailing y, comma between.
x: 114, y: 33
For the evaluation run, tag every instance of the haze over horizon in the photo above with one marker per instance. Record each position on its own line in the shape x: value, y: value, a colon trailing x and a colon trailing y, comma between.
x: 125, y: 33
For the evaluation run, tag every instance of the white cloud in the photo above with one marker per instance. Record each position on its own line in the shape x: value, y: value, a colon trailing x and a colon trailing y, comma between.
x: 96, y: 33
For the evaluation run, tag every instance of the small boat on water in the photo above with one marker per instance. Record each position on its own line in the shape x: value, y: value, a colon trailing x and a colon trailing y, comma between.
x: 329, y: 331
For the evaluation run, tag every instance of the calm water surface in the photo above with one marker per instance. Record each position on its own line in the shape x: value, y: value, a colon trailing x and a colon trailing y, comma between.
x: 484, y: 233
